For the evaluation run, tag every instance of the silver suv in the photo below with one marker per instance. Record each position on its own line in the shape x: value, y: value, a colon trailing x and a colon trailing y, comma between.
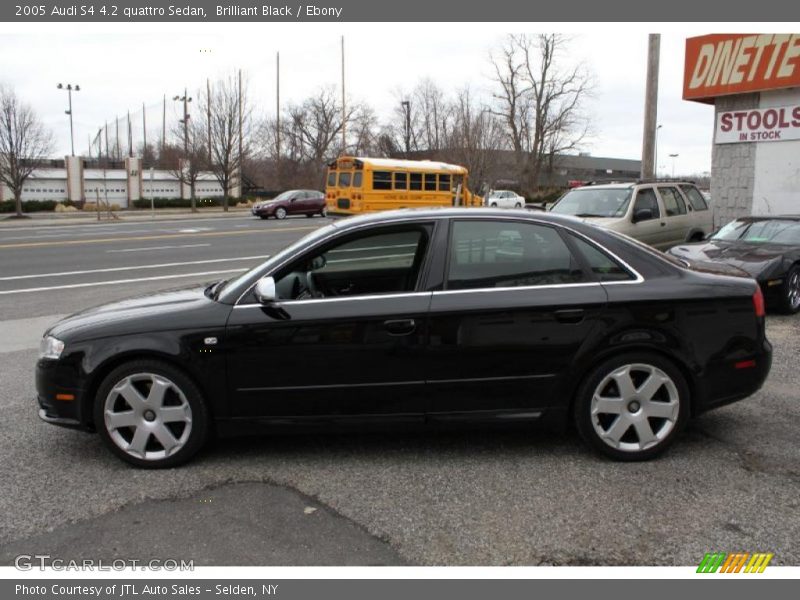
x: 659, y: 213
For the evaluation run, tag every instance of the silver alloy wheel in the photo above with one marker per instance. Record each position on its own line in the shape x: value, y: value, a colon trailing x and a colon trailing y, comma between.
x: 280, y: 213
x: 635, y: 407
x: 793, y: 286
x: 324, y: 211
x: 148, y: 416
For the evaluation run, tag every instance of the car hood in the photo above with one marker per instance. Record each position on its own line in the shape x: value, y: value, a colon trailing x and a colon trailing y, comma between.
x: 755, y: 259
x: 173, y: 309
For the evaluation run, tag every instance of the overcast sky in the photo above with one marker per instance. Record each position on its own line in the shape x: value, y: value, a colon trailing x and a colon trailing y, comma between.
x: 121, y: 67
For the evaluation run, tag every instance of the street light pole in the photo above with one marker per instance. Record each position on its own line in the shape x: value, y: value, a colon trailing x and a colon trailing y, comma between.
x: 673, y: 157
x: 69, y: 87
x: 185, y: 121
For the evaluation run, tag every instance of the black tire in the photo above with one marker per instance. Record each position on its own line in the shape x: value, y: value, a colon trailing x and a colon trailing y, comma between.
x: 324, y: 212
x: 280, y: 213
x: 790, y: 301
x: 586, y: 423
x: 518, y: 205
x: 309, y: 215
x: 493, y: 205
x: 199, y: 426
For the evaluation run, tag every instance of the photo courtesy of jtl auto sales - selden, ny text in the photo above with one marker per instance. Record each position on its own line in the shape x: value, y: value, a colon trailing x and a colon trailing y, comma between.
x: 400, y: 300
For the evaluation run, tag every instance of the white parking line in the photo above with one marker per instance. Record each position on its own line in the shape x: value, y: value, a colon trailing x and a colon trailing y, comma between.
x: 117, y: 282
x: 156, y: 248
x: 113, y: 269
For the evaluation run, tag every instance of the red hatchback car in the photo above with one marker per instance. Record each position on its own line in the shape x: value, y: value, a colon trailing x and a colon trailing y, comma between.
x: 293, y: 202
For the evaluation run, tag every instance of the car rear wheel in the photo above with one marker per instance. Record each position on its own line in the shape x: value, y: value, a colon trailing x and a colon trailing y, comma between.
x: 323, y: 212
x: 493, y: 205
x: 632, y: 407
x: 280, y: 213
x: 151, y: 415
x: 791, y: 291
x: 518, y: 205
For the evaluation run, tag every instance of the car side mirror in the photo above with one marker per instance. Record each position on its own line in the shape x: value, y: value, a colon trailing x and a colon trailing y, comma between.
x: 643, y: 214
x: 265, y: 290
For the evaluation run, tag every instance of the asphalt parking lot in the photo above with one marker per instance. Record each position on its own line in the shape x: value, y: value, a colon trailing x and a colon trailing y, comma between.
x: 465, y: 498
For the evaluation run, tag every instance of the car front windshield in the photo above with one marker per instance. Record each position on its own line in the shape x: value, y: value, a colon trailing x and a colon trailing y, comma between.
x: 768, y: 231
x: 594, y: 202
x: 283, y: 196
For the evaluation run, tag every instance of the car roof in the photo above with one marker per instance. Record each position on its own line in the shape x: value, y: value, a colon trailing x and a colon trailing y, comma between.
x: 753, y: 218
x: 421, y: 214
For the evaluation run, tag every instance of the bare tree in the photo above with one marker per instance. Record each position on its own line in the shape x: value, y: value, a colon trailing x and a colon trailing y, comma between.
x: 229, y: 112
x: 316, y: 125
x: 24, y: 143
x: 540, y: 101
x: 474, y: 138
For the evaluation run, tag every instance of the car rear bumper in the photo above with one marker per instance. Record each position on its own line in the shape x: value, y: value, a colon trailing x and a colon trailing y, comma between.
x: 734, y: 379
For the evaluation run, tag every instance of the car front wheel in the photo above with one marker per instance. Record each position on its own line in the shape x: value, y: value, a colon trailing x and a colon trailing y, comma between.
x: 151, y: 415
x: 791, y: 291
x: 632, y: 407
x: 280, y: 213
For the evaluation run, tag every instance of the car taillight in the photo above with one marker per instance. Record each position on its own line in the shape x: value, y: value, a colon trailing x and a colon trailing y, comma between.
x: 758, y: 302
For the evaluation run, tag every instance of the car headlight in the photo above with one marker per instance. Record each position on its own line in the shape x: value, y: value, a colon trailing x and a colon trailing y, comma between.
x: 51, y: 347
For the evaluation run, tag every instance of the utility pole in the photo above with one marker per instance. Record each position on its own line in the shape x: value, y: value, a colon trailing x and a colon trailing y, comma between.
x: 117, y: 153
x: 108, y: 152
x: 344, y: 110
x: 163, y: 127
x: 673, y: 157
x: 278, y: 110
x: 130, y: 137
x: 406, y: 104
x: 144, y: 133
x: 208, y: 118
x: 650, y: 106
x: 241, y: 139
x: 69, y: 87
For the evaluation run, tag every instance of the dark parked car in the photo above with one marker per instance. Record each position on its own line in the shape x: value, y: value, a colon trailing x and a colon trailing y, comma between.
x: 416, y: 317
x: 293, y: 202
x: 765, y: 248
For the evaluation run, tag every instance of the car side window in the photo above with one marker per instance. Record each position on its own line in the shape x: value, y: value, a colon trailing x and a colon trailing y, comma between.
x: 602, y: 265
x: 496, y: 254
x: 646, y: 200
x: 695, y: 197
x: 673, y: 203
x: 378, y: 262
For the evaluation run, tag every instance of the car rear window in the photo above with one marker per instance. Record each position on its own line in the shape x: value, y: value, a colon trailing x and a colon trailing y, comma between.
x: 602, y: 265
x: 695, y: 197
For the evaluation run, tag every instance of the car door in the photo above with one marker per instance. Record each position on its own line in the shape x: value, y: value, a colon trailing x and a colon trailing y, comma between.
x: 297, y: 203
x: 650, y: 230
x: 515, y: 310
x: 678, y: 222
x: 348, y: 345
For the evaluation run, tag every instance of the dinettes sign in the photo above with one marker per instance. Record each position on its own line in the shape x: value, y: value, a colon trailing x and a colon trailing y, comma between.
x: 774, y: 124
x: 724, y: 64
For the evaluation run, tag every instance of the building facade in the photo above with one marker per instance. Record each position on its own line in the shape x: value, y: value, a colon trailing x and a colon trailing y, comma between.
x: 753, y: 81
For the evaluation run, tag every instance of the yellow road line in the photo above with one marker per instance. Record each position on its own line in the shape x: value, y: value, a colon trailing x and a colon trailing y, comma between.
x: 150, y: 237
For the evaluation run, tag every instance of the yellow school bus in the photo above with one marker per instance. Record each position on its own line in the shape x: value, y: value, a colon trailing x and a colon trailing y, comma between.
x: 358, y: 185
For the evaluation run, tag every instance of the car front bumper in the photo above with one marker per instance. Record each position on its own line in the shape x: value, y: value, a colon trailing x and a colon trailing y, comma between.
x: 61, y: 397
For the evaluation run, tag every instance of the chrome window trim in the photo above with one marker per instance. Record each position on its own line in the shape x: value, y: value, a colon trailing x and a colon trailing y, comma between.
x: 337, y: 299
x: 413, y: 219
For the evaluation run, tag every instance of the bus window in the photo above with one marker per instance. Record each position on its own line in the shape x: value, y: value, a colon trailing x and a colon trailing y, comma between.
x: 416, y: 181
x: 430, y: 182
x: 331, y: 178
x: 444, y: 183
x: 381, y: 180
x: 357, y: 179
x: 344, y: 179
x: 401, y: 181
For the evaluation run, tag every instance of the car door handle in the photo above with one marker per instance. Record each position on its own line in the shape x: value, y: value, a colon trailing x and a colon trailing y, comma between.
x: 400, y: 326
x: 570, y: 315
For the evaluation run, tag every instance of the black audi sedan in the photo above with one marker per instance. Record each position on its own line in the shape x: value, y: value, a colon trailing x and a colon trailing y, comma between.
x: 416, y: 318
x: 766, y: 248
